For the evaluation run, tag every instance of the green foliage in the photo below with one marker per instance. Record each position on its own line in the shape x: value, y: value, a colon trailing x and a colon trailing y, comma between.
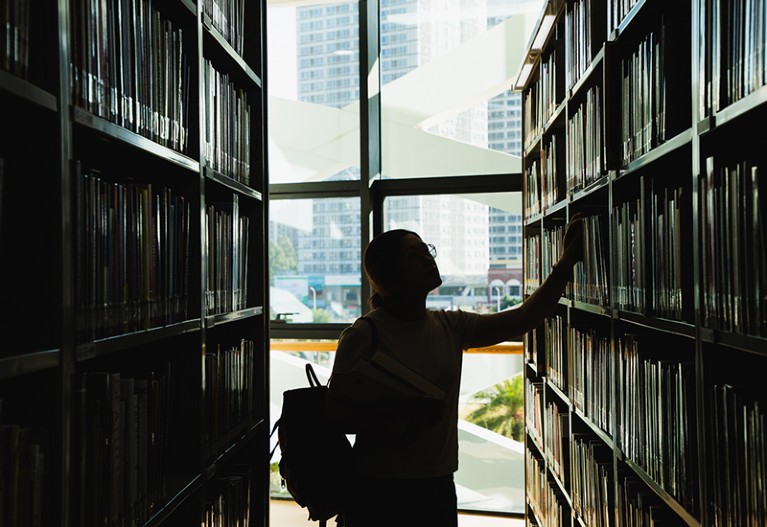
x: 507, y: 302
x: 282, y: 257
x: 501, y: 409
x: 320, y: 316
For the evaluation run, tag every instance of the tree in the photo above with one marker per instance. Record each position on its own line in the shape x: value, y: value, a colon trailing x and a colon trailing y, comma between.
x: 507, y: 302
x: 321, y: 316
x: 282, y: 257
x: 502, y: 408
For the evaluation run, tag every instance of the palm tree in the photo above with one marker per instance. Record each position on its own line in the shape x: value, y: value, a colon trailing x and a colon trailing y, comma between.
x: 502, y: 408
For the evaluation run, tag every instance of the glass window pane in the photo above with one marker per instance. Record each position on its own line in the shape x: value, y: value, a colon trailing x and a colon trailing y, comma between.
x: 313, y: 92
x: 447, y: 67
x: 314, y: 259
x: 491, y: 472
x: 287, y: 363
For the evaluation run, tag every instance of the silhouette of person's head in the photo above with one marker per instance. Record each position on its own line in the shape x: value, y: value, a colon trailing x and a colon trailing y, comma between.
x: 400, y: 268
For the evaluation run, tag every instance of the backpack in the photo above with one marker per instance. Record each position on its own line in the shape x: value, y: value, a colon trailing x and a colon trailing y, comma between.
x: 316, y: 463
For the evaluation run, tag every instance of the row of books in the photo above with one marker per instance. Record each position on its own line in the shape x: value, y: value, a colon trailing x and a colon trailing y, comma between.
x: 554, y: 351
x: 739, y: 456
x: 668, y: 265
x: 540, y: 99
x: 592, y: 369
x: 734, y: 292
x: 532, y: 190
x: 129, y: 67
x: 551, y: 190
x: 643, y: 96
x: 532, y: 263
x: 14, y: 36
x: 733, y: 51
x: 532, y: 120
x: 228, y: 236
x: 578, y: 40
x: 591, y: 481
x: 22, y: 474
x: 534, y: 410
x: 556, y: 438
x: 229, y: 389
x: 585, y: 142
x: 542, y: 252
x: 228, y: 498
x: 121, y: 435
x: 547, y: 82
x: 546, y: 502
x: 638, y: 506
x: 656, y: 421
x: 618, y: 9
x: 634, y: 270
x: 227, y: 127
x: 228, y: 17
x: 2, y: 194
x: 553, y: 244
x: 531, y: 348
x: 590, y: 281
x: 132, y: 255
x: 629, y: 282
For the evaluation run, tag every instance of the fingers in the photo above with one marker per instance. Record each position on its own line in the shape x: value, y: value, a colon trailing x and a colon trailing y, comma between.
x: 574, y: 230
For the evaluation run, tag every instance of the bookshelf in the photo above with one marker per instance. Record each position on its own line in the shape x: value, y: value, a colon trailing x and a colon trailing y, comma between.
x: 643, y: 393
x: 133, y: 172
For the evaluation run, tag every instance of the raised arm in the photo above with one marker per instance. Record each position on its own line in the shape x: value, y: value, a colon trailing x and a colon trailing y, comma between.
x: 498, y: 327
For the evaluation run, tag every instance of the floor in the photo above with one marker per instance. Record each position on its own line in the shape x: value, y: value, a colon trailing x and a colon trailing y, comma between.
x: 285, y: 513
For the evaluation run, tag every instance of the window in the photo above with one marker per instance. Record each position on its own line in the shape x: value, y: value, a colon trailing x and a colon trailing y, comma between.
x: 313, y: 268
x: 434, y: 124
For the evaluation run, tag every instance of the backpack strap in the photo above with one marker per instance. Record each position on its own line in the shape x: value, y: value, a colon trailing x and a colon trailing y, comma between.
x: 274, y: 428
x: 312, y: 375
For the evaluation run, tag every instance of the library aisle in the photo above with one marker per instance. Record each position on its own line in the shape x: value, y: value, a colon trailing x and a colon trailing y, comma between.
x: 285, y: 513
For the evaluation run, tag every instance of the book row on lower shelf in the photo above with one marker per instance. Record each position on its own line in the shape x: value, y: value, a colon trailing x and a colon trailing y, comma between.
x: 733, y: 205
x: 136, y: 440
x: 122, y: 433
x: 230, y: 388
x: 229, y: 500
x: 23, y: 451
x: 613, y: 417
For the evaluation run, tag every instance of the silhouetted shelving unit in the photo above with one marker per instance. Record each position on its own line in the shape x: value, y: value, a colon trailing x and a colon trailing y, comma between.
x: 644, y: 393
x: 133, y: 172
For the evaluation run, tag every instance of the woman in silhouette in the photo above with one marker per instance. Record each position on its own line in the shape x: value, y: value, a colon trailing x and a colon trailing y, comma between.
x: 406, y: 448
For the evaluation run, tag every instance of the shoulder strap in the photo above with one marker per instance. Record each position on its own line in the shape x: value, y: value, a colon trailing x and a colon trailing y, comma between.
x: 312, y: 375
x: 373, y: 333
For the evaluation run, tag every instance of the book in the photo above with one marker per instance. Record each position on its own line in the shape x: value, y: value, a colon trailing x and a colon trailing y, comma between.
x: 129, y: 410
x: 390, y: 372
x: 9, y: 472
x: 2, y: 168
x: 140, y: 389
x: 29, y: 483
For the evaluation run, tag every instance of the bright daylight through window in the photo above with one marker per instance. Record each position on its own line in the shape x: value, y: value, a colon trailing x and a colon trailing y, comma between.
x: 446, y: 68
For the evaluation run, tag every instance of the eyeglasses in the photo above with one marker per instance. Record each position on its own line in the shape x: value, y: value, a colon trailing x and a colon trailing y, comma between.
x: 420, y: 250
